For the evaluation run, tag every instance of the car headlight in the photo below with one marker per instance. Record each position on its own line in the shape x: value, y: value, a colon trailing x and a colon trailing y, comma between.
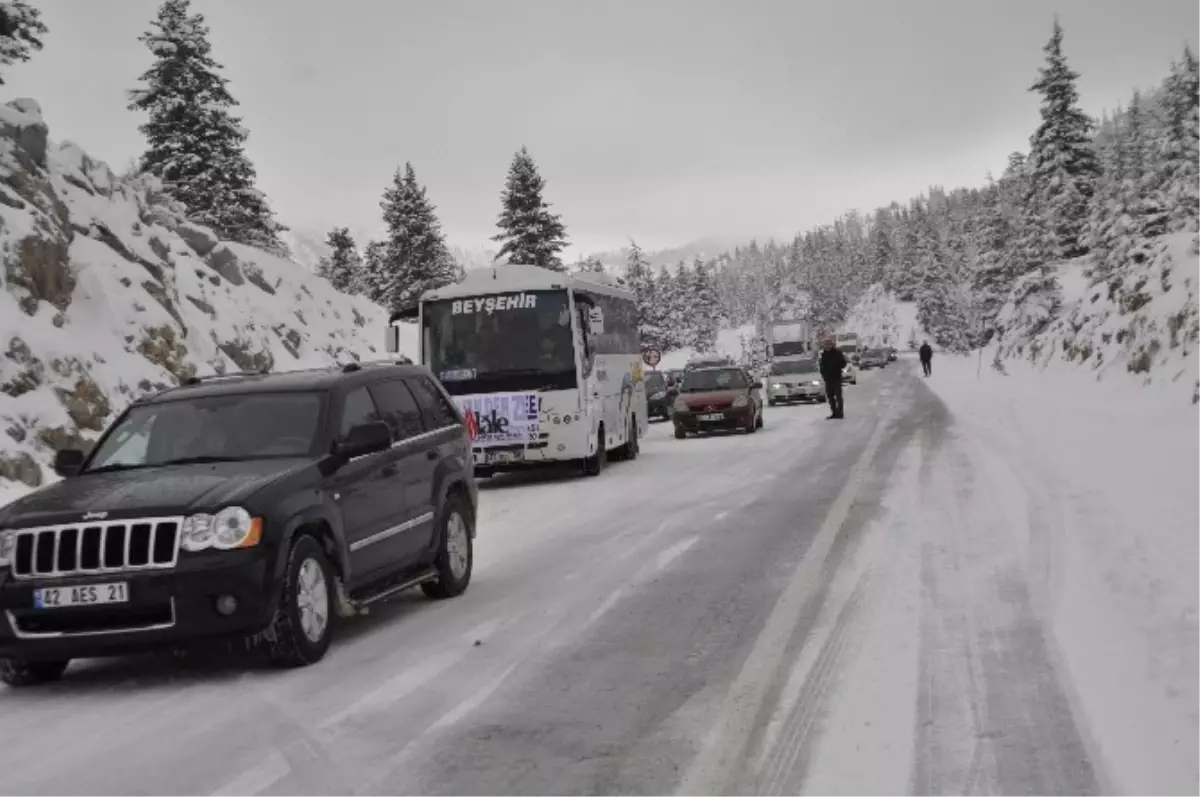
x: 232, y: 527
x: 8, y: 542
x: 658, y: 395
x: 680, y: 405
x: 777, y: 386
x: 816, y: 382
x: 741, y: 401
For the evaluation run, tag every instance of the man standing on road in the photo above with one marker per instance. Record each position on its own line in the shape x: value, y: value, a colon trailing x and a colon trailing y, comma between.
x: 831, y: 365
x: 926, y: 354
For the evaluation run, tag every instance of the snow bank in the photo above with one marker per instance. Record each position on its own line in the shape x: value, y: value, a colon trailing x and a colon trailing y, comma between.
x: 880, y: 318
x: 1142, y: 328
x: 1110, y: 478
x: 729, y: 343
x: 107, y: 294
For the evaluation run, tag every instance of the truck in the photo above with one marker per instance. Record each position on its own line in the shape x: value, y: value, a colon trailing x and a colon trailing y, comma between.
x: 790, y: 338
x: 545, y: 367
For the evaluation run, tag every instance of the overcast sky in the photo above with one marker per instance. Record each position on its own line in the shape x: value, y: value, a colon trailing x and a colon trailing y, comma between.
x: 660, y: 120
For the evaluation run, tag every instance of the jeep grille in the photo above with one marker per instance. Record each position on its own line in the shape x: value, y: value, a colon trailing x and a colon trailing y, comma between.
x: 115, y: 546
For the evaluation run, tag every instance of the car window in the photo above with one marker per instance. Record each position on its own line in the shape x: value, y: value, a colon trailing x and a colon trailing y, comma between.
x: 437, y: 410
x: 358, y: 409
x: 715, y: 379
x: 399, y: 409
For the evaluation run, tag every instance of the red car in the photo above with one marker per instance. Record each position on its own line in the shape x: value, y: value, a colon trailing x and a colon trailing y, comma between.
x: 721, y: 398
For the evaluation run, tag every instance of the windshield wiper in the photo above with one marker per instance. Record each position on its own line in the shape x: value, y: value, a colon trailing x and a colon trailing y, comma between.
x: 196, y: 461
x: 116, y: 467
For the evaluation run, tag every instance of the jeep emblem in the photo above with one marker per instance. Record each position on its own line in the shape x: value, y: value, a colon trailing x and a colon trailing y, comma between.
x: 95, y: 516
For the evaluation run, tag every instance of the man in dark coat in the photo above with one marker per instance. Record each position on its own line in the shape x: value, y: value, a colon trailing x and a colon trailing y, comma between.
x: 831, y: 365
x: 926, y: 355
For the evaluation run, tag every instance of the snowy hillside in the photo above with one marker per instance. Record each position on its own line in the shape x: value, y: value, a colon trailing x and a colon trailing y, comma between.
x: 108, y: 294
x: 306, y: 250
x: 1142, y: 326
x: 879, y: 318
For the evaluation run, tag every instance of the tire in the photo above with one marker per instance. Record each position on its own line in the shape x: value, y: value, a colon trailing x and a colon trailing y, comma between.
x: 680, y: 434
x: 752, y: 426
x: 291, y: 635
x: 772, y: 402
x: 484, y: 473
x: 15, y: 672
x: 630, y: 450
x: 456, y: 552
x: 594, y: 465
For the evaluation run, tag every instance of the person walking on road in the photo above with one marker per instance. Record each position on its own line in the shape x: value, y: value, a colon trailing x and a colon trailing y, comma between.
x: 831, y: 365
x: 926, y: 355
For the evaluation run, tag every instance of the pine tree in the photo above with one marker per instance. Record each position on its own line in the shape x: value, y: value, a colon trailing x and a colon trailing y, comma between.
x: 673, y: 306
x: 417, y: 259
x: 343, y: 267
x: 705, y: 307
x: 589, y: 264
x: 196, y: 146
x: 1064, y: 164
x: 373, y: 278
x: 21, y: 32
x: 995, y: 272
x: 529, y: 233
x: 939, y: 301
x: 1178, y: 151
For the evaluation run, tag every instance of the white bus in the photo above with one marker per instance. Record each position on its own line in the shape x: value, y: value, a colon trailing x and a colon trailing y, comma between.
x: 545, y: 366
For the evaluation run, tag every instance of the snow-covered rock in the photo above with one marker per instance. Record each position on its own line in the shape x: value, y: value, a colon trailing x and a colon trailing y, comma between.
x: 1142, y: 325
x: 106, y: 293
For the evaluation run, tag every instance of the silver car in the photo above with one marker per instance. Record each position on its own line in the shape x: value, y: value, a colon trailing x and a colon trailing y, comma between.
x: 795, y: 380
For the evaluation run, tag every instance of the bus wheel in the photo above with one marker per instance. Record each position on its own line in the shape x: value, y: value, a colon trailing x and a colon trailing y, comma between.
x: 594, y: 464
x: 630, y: 450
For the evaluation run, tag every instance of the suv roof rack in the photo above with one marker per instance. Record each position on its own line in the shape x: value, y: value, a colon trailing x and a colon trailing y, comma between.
x: 350, y: 368
x: 196, y: 380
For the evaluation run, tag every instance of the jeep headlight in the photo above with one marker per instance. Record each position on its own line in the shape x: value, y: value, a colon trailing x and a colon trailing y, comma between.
x: 8, y: 542
x: 232, y: 527
x: 741, y: 401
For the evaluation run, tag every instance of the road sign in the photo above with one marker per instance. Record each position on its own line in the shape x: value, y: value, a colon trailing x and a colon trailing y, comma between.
x: 652, y: 357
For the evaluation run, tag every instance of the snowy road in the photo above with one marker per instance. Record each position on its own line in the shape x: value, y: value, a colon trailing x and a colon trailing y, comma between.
x: 822, y: 607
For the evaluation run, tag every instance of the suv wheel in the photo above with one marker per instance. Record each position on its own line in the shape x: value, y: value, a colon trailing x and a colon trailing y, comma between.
x: 15, y: 672
x: 303, y: 624
x: 456, y: 553
x: 758, y: 424
x: 630, y: 450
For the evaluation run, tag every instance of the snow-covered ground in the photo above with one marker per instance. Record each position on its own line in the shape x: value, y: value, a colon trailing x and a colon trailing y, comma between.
x: 1030, y: 579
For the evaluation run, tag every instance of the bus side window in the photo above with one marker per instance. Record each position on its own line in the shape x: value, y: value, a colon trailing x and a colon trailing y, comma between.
x: 588, y: 345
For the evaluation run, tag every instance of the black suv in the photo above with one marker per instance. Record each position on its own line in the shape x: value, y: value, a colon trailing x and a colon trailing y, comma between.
x: 250, y: 505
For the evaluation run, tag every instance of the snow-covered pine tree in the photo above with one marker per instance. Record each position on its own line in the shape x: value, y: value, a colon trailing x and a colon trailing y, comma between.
x: 529, y: 233
x: 705, y: 308
x: 417, y: 259
x: 649, y: 306
x: 591, y: 263
x: 939, y: 305
x: 195, y: 145
x: 881, y: 252
x: 21, y: 32
x: 995, y: 272
x: 1064, y: 166
x: 1178, y: 150
x: 906, y: 276
x: 343, y: 267
x: 673, y: 308
x: 373, y: 277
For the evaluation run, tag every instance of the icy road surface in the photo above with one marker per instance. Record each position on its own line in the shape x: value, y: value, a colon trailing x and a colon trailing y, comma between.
x: 824, y: 607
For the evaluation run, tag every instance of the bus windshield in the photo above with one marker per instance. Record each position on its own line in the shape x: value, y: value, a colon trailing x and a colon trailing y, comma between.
x: 501, y: 342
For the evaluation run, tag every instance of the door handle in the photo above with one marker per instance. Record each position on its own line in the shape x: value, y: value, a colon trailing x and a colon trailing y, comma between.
x: 431, y: 454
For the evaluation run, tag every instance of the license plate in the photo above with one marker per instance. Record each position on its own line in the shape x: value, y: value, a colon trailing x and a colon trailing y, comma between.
x: 501, y: 456
x: 80, y: 595
x: 712, y: 416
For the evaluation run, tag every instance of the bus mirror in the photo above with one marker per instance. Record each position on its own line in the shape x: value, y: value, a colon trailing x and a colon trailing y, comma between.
x: 393, y: 339
x: 596, y: 322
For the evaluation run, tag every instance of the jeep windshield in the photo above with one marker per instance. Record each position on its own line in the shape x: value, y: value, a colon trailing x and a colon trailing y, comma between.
x: 501, y: 342
x: 808, y: 366
x: 713, y: 379
x: 655, y: 382
x: 225, y: 428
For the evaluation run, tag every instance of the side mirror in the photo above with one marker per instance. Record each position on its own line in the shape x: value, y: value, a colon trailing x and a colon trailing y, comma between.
x: 392, y: 339
x: 596, y: 322
x: 68, y: 462
x: 366, y: 438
